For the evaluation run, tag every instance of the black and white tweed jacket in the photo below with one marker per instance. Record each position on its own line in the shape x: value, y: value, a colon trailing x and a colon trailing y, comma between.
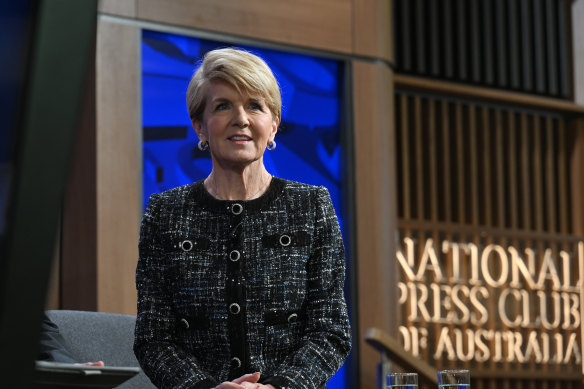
x: 227, y: 288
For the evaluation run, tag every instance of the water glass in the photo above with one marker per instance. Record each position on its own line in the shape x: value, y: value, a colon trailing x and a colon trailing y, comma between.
x: 454, y: 379
x: 402, y: 381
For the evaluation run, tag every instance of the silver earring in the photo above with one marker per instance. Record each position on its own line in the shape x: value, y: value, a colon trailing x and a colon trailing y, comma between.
x: 203, y: 145
x: 271, y: 145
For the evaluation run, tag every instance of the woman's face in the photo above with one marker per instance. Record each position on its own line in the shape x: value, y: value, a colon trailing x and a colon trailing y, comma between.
x: 237, y: 127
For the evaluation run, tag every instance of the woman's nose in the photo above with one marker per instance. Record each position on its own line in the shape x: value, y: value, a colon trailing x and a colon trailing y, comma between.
x: 240, y: 118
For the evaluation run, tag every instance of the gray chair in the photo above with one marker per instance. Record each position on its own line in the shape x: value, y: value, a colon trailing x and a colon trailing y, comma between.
x: 99, y: 336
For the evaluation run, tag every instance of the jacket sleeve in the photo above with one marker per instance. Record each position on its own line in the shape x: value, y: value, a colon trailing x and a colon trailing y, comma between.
x: 52, y: 346
x: 163, y: 361
x: 326, y: 341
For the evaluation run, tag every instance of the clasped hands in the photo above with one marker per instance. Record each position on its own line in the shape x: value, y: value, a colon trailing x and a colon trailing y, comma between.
x: 246, y: 381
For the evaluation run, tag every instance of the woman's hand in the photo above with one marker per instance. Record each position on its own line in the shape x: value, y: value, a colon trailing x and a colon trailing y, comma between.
x: 249, y: 385
x: 246, y: 381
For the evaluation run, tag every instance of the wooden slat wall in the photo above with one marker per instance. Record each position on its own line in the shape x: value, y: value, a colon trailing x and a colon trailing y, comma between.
x: 520, y: 45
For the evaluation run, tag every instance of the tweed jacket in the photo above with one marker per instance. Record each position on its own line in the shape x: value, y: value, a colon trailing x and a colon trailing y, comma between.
x: 227, y: 288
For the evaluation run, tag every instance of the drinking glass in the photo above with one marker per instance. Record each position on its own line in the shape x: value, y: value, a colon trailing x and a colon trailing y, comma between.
x: 454, y: 379
x: 402, y: 381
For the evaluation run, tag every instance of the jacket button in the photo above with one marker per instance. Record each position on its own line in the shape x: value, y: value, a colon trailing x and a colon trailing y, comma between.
x: 234, y: 256
x: 285, y: 240
x: 292, y: 318
x: 184, y: 323
x: 236, y: 362
x: 236, y: 208
x: 186, y: 245
x: 234, y: 308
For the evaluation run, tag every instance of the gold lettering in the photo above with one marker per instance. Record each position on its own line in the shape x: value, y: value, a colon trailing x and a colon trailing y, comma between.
x: 417, y: 303
x: 533, y: 348
x: 518, y: 266
x: 405, y: 335
x: 567, y: 272
x: 403, y: 293
x: 548, y: 271
x: 475, y: 302
x: 483, y: 352
x: 440, y: 302
x: 498, y: 357
x: 407, y: 265
x: 526, y: 323
x: 502, y: 255
x: 461, y: 304
x: 514, y: 342
x: 445, y: 344
x: 546, y: 347
x: 543, y: 310
x: 559, y: 355
x: 446, y: 245
x: 503, y: 303
x: 571, y: 310
x: 459, y: 340
x: 430, y: 261
x: 573, y: 350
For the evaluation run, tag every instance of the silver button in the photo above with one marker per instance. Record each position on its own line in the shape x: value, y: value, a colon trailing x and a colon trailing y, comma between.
x: 234, y: 308
x: 234, y: 256
x: 185, y: 323
x: 285, y: 240
x: 186, y: 245
x: 292, y: 318
x: 236, y: 361
x: 237, y: 208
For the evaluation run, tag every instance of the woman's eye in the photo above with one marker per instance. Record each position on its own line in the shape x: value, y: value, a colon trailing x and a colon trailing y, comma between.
x: 256, y: 106
x: 221, y: 106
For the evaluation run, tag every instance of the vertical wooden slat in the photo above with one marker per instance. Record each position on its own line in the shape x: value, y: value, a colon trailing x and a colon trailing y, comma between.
x: 525, y: 200
x: 488, y: 57
x: 512, y: 182
x: 434, y: 37
x: 551, y: 47
x: 420, y: 46
x: 407, y: 42
x: 419, y: 158
x: 433, y: 160
x: 461, y: 39
x: 513, y: 38
x: 486, y: 174
x: 475, y: 44
x: 563, y: 178
x: 448, y: 39
x: 526, y: 45
x: 445, y: 128
x: 537, y: 174
x: 500, y: 170
x: 501, y: 42
x: 565, y: 89
x: 550, y: 183
x: 474, y: 166
x: 460, y: 182
x: 538, y: 54
x: 405, y: 162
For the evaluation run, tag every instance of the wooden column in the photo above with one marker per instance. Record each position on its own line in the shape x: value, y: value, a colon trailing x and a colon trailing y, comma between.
x: 119, y: 165
x: 375, y: 174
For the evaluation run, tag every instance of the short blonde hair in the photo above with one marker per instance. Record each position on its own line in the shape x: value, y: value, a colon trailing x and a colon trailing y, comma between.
x: 244, y: 71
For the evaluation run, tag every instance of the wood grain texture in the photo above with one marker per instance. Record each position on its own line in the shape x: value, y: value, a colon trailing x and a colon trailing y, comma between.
x: 323, y: 24
x: 578, y: 50
x: 376, y: 208
x: 118, y: 166
x: 372, y: 29
x: 126, y: 8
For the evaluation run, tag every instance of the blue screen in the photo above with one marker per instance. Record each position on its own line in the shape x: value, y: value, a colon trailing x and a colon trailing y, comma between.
x: 308, y: 139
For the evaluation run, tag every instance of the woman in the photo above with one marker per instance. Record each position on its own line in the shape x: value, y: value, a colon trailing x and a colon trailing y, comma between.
x: 240, y: 276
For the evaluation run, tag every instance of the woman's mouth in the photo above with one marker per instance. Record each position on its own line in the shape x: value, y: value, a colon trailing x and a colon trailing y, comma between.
x: 239, y: 138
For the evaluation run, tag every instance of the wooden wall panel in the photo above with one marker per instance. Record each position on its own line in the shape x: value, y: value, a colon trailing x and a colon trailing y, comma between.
x: 372, y: 30
x: 126, y: 8
x: 118, y: 165
x: 323, y: 24
x: 376, y: 208
x: 578, y: 49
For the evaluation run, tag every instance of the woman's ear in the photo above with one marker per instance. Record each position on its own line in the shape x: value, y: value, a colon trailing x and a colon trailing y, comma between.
x: 199, y: 130
x: 275, y: 124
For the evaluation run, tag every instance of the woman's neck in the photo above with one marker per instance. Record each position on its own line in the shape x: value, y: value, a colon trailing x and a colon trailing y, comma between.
x: 246, y: 184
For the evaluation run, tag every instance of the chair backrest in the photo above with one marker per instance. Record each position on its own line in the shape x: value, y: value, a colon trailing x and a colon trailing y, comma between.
x: 99, y: 336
